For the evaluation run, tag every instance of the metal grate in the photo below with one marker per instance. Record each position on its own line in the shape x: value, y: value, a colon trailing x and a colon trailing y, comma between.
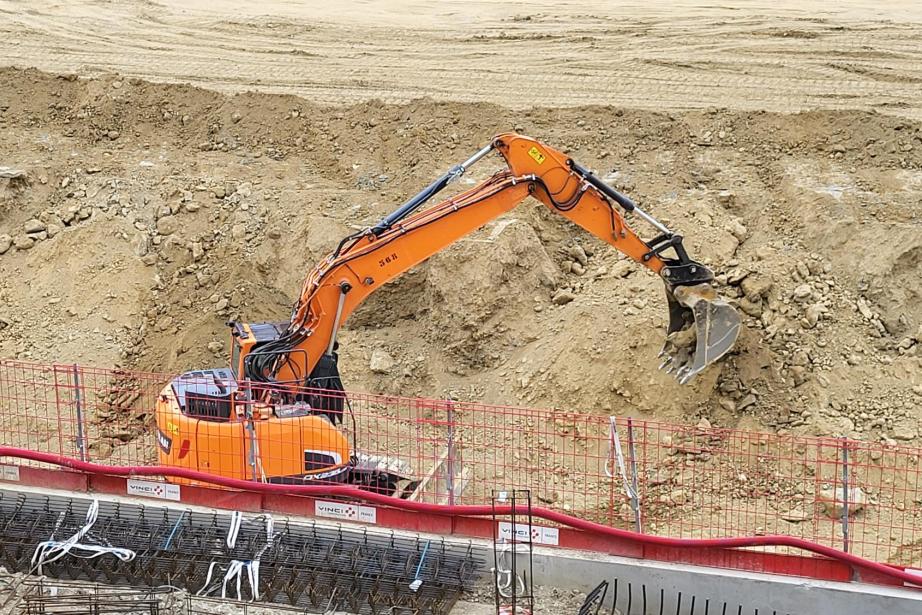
x: 310, y: 566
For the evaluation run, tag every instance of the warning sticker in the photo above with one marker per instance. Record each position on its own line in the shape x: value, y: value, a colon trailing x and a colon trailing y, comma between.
x: 539, y: 535
x: 346, y: 512
x: 9, y: 473
x: 151, y: 489
x: 535, y: 153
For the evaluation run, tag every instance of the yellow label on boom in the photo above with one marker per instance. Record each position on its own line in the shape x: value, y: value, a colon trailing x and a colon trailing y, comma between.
x: 535, y: 153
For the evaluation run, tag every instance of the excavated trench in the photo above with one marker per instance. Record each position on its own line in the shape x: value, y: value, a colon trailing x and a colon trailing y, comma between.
x: 189, y: 208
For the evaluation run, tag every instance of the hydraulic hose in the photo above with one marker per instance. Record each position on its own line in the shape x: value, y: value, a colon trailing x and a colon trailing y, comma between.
x: 355, y: 493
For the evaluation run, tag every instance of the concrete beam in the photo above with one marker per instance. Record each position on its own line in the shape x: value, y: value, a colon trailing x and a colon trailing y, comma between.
x: 768, y: 593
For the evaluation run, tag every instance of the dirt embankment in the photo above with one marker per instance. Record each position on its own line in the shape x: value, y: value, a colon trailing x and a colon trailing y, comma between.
x: 189, y: 208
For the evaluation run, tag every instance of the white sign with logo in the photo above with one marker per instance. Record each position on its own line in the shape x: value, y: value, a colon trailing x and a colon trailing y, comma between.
x: 916, y: 572
x: 152, y: 489
x: 346, y: 512
x: 539, y: 535
x: 9, y: 473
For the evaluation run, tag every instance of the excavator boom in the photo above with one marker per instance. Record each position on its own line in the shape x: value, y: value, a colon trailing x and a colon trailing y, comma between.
x: 701, y: 327
x: 276, y: 415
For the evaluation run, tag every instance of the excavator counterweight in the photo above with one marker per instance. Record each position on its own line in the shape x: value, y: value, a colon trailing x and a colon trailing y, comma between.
x: 284, y: 386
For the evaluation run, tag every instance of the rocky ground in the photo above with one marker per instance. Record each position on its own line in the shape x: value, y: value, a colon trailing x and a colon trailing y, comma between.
x: 188, y: 208
x: 784, y: 143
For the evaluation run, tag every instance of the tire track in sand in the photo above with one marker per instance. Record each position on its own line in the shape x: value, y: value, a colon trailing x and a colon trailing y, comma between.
x: 776, y: 59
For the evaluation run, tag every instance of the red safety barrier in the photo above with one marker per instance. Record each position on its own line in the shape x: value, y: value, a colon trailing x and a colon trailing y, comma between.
x: 354, y: 493
x: 680, y: 481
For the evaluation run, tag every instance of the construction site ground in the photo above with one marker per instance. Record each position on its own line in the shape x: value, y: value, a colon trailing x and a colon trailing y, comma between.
x: 186, y: 163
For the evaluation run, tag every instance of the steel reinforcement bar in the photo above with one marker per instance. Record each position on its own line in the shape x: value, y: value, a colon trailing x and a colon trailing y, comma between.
x: 253, y: 558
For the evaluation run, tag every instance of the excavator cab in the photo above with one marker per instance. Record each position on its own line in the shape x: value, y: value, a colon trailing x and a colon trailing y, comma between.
x: 215, y: 422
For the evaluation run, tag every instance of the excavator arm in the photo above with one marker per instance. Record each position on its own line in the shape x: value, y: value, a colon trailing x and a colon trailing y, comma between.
x: 701, y: 328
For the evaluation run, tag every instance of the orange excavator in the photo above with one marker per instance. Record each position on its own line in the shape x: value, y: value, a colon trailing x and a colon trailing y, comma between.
x: 275, y: 415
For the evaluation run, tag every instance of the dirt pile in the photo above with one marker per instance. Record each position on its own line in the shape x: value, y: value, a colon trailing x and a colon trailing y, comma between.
x: 151, y: 214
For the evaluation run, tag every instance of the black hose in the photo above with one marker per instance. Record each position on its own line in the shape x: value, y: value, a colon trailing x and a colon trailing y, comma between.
x: 411, y: 205
x: 604, y: 188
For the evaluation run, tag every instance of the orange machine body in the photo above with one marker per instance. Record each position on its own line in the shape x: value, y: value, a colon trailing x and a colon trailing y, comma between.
x: 244, y: 439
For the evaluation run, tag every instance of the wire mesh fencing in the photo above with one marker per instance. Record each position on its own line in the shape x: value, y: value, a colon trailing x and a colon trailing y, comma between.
x: 685, y: 481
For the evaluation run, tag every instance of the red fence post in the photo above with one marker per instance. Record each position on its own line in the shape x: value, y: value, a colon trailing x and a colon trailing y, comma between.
x: 844, y: 442
x: 57, y: 404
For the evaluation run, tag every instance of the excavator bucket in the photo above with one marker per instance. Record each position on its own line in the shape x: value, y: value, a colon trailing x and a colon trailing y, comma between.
x: 702, y: 329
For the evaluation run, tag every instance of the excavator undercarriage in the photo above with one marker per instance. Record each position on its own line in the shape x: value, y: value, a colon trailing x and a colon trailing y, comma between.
x: 283, y: 392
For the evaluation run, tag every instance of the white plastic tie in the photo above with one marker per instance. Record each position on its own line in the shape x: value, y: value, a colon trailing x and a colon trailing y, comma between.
x: 234, y: 529
x: 504, y: 573
x: 614, y: 442
x: 211, y: 568
x: 52, y: 550
x: 234, y: 574
x: 237, y: 568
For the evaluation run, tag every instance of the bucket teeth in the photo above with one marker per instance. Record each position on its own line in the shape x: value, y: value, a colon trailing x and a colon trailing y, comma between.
x: 702, y: 329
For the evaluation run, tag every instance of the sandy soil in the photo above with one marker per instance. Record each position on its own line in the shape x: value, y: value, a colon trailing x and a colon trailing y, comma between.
x: 662, y: 54
x: 190, y: 207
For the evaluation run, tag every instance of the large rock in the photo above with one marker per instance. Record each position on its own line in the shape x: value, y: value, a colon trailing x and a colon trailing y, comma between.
x: 803, y: 291
x: 6, y: 242
x: 739, y: 231
x: 167, y: 225
x: 830, y: 498
x: 381, y: 362
x: 34, y: 226
x: 751, y: 307
x: 51, y: 218
x: 756, y: 287
x: 23, y: 242
x: 578, y: 254
x: 905, y: 428
x: 563, y: 296
x: 796, y: 515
